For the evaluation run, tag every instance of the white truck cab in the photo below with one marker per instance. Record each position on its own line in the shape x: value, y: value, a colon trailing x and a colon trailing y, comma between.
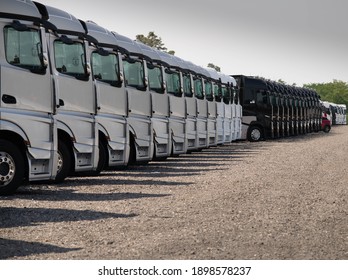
x: 139, y: 101
x: 73, y: 92
x: 159, y: 101
x: 28, y: 131
x: 111, y: 97
x: 177, y: 106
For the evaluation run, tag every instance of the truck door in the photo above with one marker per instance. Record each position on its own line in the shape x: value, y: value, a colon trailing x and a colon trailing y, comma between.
x: 26, y: 95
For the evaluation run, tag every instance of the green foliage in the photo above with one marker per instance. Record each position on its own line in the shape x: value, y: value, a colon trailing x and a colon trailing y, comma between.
x: 336, y: 91
x: 153, y: 41
x: 281, y: 82
x: 217, y: 68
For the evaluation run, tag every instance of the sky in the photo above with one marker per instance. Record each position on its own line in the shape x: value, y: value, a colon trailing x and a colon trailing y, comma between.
x: 297, y: 41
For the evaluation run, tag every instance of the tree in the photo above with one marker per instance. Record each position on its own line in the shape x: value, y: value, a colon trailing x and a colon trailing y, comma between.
x: 336, y: 91
x: 212, y: 65
x: 153, y: 41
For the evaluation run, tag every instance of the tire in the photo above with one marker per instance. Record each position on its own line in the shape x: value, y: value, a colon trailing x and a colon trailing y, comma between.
x: 103, y: 158
x: 102, y: 162
x: 12, y: 168
x: 254, y: 134
x: 132, y: 152
x: 327, y: 128
x: 64, y: 162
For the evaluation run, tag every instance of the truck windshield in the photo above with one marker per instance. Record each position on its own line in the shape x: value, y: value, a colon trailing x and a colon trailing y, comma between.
x: 173, y: 82
x: 106, y: 68
x: 70, y: 58
x: 134, y: 73
x: 155, y: 78
x: 23, y: 48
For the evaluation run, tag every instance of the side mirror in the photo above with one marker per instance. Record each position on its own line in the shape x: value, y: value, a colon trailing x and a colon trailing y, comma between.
x: 121, y: 77
x: 88, y: 69
x: 164, y: 85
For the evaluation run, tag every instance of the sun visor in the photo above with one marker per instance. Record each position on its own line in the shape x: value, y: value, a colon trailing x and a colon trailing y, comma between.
x: 64, y: 22
x: 103, y: 36
x: 16, y: 9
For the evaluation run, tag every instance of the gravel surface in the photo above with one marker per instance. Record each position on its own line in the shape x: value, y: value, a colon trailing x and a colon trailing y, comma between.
x: 282, y: 199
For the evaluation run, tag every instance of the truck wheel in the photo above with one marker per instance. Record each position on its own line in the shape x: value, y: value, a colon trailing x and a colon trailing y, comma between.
x: 254, y: 134
x: 132, y: 152
x: 64, y: 162
x: 327, y: 128
x: 11, y: 167
x: 102, y: 161
x: 103, y: 158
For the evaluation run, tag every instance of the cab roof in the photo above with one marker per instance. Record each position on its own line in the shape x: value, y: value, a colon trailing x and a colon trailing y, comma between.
x: 19, y: 9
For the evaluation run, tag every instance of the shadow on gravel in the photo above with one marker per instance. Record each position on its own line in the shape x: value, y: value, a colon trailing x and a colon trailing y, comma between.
x: 115, y: 181
x: 165, y: 170
x: 213, y: 157
x: 194, y: 164
x: 170, y: 169
x: 187, y: 165
x: 14, y: 248
x: 62, y: 193
x: 19, y: 217
x: 304, y: 137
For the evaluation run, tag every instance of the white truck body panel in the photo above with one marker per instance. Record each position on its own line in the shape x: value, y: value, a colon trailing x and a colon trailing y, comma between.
x: 220, y: 119
x: 191, y: 123
x: 202, y: 123
x: 212, y: 123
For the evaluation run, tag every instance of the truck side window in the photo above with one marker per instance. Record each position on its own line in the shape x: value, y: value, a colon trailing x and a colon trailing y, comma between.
x: 173, y: 82
x: 155, y: 78
x: 134, y: 73
x: 187, y: 85
x: 23, y: 48
x: 105, y: 68
x: 70, y: 58
x: 198, y: 88
x: 208, y: 90
x: 235, y: 95
x: 217, y: 92
x: 226, y: 94
x: 260, y: 97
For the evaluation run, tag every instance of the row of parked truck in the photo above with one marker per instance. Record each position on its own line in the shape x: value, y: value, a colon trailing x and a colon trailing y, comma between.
x: 273, y: 110
x: 76, y: 97
x: 335, y: 113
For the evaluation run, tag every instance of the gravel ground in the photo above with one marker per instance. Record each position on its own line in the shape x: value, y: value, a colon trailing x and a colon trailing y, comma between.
x: 283, y: 199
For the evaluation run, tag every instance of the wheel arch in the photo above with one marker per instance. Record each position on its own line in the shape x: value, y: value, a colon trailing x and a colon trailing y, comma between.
x: 68, y: 139
x: 20, y: 142
x: 258, y: 125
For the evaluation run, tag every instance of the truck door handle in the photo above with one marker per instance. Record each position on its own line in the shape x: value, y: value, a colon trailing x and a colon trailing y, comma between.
x: 9, y: 99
